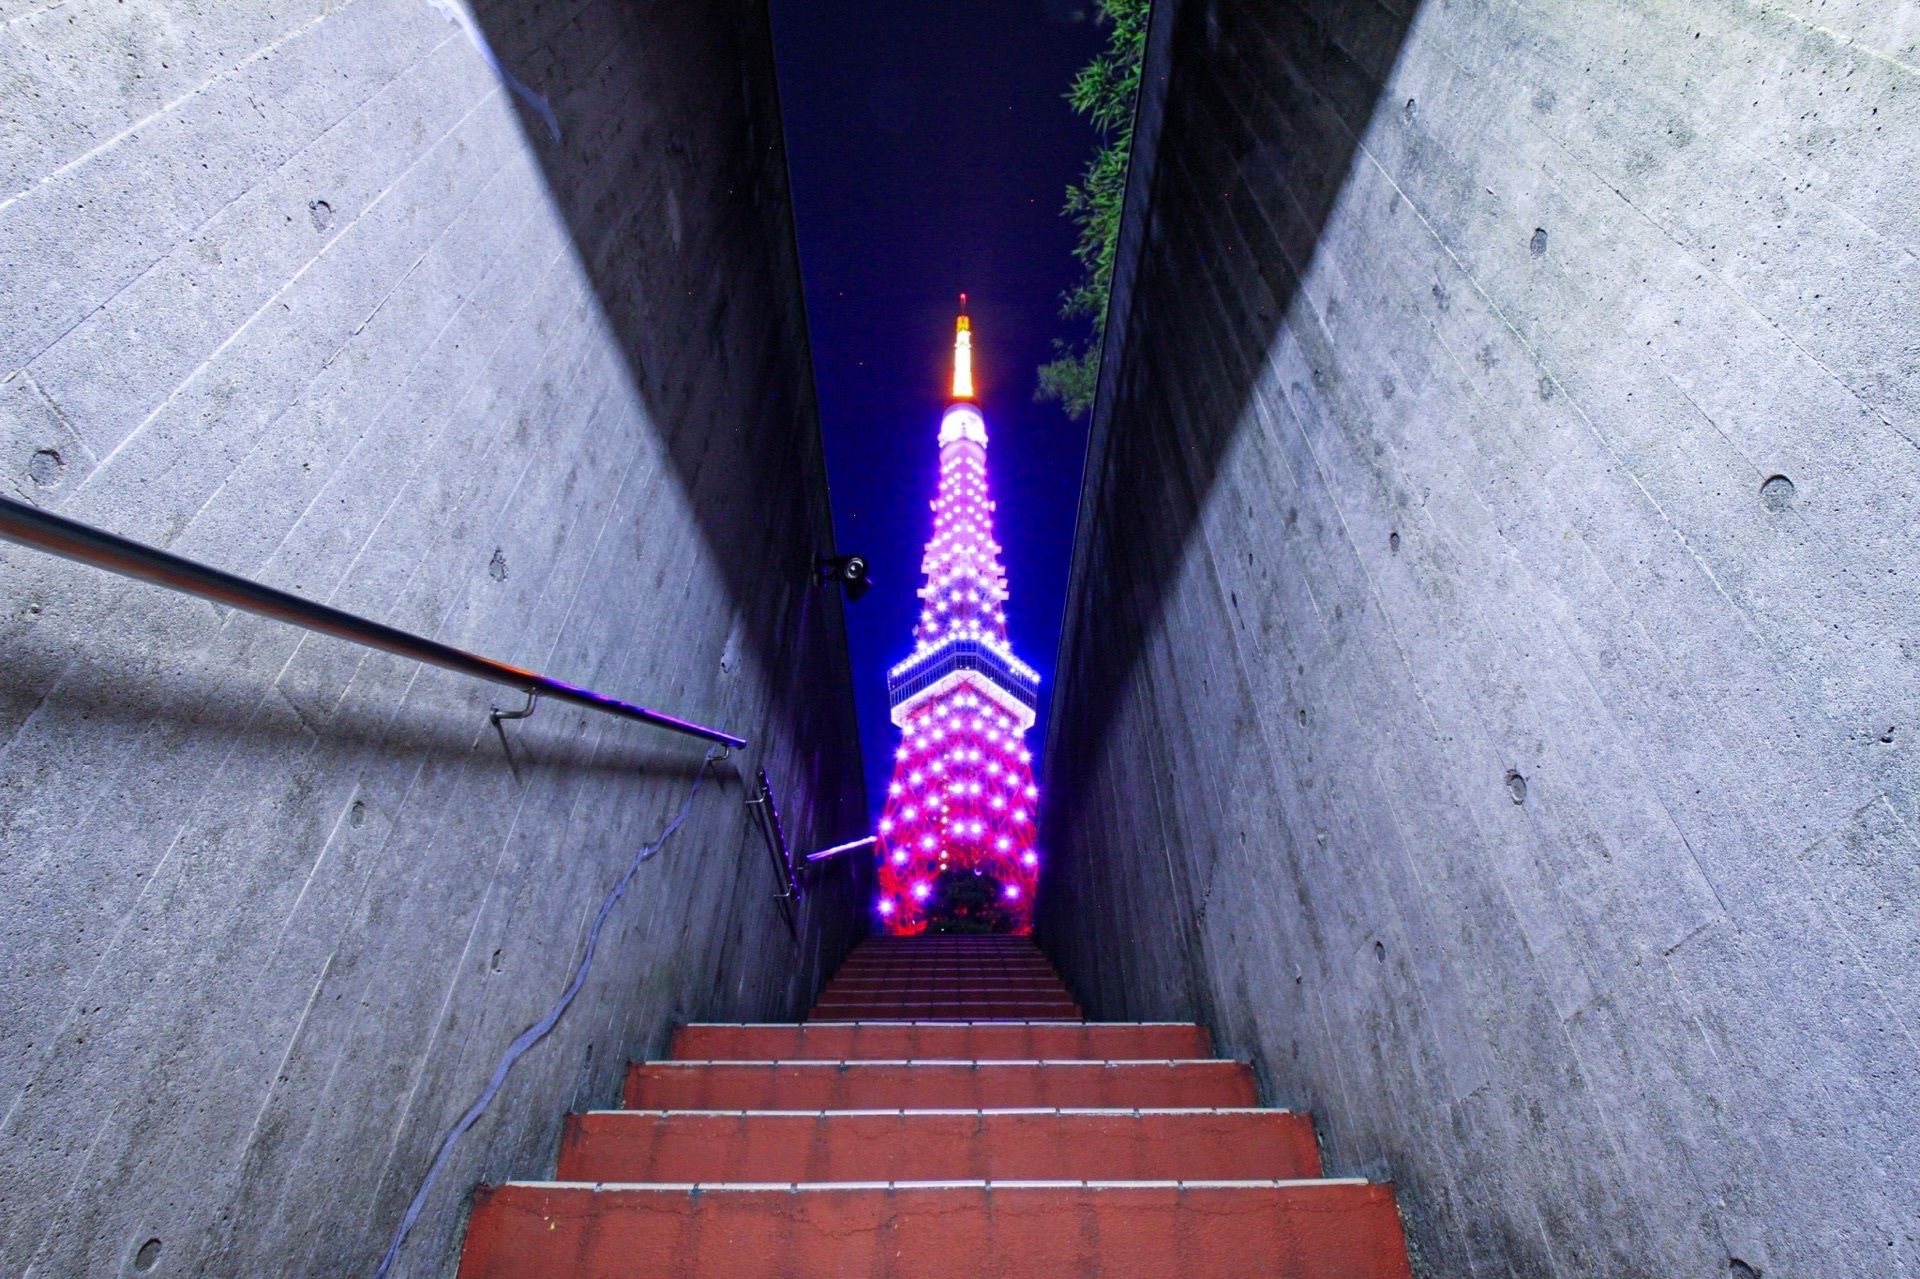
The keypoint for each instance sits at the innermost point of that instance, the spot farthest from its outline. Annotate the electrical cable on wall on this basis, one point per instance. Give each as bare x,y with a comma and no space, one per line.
539,1030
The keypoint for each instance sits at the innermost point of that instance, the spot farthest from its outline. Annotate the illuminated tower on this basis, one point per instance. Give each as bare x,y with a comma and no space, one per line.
956,838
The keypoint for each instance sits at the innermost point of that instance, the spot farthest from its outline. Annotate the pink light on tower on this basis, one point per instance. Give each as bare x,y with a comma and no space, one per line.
955,842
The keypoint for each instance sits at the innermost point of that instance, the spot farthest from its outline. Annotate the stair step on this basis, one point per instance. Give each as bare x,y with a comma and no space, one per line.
947,984
950,939
937,1145
896,1041
897,993
943,1011
875,1085
956,1013
895,997
929,985
938,963
1012,954
957,994
1274,1229
894,977
962,1017
1011,964
930,955
947,997
951,959
959,977
931,958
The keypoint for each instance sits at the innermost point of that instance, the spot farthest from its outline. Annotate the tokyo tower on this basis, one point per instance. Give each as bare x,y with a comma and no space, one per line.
956,836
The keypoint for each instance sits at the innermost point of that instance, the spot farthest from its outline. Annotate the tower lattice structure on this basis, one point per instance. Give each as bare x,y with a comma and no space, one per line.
956,838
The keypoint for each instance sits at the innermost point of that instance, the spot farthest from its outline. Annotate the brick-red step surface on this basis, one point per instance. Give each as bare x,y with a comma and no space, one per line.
1273,1230
945,1013
954,988
1036,966
925,1085
939,1145
945,1112
985,990
945,1010
905,972
988,1005
898,1041
946,979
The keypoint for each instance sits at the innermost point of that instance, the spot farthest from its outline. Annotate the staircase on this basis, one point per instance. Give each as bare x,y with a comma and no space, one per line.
945,1113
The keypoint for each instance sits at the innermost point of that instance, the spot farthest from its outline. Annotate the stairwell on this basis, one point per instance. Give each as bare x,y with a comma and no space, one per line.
946,1111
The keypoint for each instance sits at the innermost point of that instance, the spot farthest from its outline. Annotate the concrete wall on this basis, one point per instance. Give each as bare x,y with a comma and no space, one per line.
1488,693
308,292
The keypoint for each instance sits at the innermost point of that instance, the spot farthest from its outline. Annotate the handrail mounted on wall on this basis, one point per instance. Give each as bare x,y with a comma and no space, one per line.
58,535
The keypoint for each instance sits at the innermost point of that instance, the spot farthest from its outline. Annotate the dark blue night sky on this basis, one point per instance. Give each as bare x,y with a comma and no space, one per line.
930,147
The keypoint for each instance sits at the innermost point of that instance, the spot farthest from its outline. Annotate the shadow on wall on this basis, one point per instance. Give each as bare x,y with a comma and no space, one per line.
439,722
670,241
1570,848
1268,147
253,882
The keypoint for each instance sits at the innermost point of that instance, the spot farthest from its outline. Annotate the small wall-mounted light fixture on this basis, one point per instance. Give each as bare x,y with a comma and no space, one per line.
848,570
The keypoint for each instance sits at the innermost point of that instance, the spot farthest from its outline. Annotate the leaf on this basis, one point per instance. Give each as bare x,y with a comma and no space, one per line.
1104,92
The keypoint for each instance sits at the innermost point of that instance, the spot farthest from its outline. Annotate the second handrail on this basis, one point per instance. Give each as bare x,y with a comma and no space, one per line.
70,539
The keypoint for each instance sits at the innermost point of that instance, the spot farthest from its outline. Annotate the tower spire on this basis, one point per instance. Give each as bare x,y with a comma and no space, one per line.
962,354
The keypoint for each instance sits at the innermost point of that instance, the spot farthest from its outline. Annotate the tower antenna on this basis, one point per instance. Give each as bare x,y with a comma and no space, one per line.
963,354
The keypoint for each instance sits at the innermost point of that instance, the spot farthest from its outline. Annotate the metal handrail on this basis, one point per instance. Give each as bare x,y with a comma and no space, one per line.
767,819
851,846
70,539
775,835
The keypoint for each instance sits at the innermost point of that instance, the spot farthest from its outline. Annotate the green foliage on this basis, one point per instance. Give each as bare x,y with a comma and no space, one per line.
1071,376
1104,92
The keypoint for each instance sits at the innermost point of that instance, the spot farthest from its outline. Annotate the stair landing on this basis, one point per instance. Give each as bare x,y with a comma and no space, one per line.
945,1112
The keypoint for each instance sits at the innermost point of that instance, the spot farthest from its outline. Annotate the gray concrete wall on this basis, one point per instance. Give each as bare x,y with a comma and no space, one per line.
1488,691
307,292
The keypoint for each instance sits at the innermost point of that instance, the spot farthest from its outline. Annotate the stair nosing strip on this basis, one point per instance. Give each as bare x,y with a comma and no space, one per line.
1135,1112
751,1025
948,1061
684,1187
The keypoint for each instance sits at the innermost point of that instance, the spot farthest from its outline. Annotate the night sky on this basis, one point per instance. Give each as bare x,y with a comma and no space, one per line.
930,146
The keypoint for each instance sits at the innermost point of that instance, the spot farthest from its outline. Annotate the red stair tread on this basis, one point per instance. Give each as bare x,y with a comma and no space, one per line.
925,985
1033,963
945,1112
936,990
839,1009
897,1041
944,999
928,994
946,979
945,1009
947,1145
922,1017
1278,1230
1015,967
947,1013
923,1085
